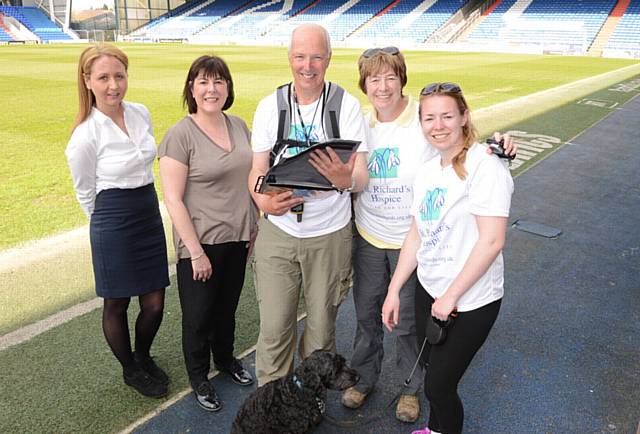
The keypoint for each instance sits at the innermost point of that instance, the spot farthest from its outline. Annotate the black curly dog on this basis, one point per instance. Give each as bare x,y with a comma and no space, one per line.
295,403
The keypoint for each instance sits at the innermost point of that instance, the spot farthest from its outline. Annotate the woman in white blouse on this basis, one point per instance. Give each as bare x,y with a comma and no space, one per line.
110,154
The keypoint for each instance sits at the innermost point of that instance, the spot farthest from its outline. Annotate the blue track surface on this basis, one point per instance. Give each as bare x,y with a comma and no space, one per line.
564,354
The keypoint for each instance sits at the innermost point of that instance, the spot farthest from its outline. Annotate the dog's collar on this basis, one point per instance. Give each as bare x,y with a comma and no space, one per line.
298,382
300,385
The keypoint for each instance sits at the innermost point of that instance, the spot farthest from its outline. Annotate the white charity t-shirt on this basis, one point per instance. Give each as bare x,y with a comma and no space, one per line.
444,207
324,211
397,150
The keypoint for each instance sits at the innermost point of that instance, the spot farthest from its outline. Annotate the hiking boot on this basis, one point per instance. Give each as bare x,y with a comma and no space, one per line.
144,383
238,374
206,396
408,408
353,398
150,367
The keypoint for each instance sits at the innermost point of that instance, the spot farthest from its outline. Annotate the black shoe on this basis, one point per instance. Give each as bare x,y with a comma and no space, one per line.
144,383
238,374
206,397
150,367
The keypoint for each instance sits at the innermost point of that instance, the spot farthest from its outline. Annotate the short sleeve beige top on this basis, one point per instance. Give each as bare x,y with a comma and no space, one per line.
216,193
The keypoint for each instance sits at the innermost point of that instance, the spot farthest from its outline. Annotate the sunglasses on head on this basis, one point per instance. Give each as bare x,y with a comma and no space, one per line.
373,51
440,87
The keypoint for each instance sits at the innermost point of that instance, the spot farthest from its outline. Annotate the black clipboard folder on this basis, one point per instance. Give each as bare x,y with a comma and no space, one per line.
296,173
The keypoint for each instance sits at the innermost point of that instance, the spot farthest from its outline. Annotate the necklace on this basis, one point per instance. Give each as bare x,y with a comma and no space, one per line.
307,134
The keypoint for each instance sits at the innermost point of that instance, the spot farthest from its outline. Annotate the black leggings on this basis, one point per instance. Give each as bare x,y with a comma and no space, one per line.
445,364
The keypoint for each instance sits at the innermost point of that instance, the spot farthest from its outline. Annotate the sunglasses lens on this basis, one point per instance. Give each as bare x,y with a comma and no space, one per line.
429,89
391,50
370,52
435,87
373,51
450,87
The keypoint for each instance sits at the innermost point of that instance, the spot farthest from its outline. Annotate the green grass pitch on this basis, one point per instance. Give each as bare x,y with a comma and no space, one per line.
39,103
79,379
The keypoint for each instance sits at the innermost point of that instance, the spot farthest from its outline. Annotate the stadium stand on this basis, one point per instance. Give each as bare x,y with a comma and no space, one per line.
194,20
251,21
413,20
544,22
526,25
627,34
37,22
4,36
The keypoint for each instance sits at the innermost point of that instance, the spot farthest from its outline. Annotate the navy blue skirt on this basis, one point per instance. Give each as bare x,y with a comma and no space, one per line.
128,246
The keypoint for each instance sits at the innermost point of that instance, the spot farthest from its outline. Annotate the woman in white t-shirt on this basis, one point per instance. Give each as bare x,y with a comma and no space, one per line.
459,216
397,151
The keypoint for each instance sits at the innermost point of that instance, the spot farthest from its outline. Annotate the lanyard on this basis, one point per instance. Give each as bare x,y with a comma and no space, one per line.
307,134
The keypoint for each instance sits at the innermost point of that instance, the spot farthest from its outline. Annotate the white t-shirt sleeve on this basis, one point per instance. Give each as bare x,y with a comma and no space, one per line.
352,123
81,155
490,188
265,124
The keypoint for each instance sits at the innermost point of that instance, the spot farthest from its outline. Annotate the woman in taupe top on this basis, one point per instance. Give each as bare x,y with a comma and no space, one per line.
204,163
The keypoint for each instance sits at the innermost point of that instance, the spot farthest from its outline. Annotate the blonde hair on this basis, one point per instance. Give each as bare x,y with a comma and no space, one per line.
469,131
86,98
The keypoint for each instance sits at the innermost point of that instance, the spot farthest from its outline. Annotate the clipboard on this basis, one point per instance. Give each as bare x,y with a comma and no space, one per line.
296,173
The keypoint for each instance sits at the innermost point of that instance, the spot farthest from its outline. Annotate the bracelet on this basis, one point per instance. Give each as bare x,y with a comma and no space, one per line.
195,258
348,189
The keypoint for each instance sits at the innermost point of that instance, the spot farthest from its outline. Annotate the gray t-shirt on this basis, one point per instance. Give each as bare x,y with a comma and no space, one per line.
216,193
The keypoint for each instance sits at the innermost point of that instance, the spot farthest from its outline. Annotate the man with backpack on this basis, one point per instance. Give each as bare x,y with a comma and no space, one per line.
307,249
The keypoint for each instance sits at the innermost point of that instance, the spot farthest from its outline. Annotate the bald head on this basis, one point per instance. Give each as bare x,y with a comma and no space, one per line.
309,56
310,30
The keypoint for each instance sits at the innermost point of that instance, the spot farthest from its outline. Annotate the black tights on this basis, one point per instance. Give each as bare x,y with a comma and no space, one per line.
116,327
447,363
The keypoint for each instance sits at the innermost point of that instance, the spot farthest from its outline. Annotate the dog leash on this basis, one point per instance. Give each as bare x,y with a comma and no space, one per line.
354,423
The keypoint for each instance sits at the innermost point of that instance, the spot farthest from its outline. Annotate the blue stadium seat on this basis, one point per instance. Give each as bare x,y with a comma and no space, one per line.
545,22
37,22
627,33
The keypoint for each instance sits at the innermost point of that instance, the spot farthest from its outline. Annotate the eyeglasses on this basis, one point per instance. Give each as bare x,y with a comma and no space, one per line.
373,51
440,87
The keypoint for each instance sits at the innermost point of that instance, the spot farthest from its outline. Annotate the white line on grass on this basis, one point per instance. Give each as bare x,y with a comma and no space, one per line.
27,332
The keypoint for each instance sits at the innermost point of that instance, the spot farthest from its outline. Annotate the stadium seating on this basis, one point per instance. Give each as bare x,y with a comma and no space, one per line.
193,20
36,21
627,34
538,24
412,20
256,18
4,36
545,22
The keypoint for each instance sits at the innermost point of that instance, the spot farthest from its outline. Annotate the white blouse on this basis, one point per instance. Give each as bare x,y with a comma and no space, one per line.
102,156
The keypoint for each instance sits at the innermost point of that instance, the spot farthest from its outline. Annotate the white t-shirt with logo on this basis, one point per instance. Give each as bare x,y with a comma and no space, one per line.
324,211
397,150
444,207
